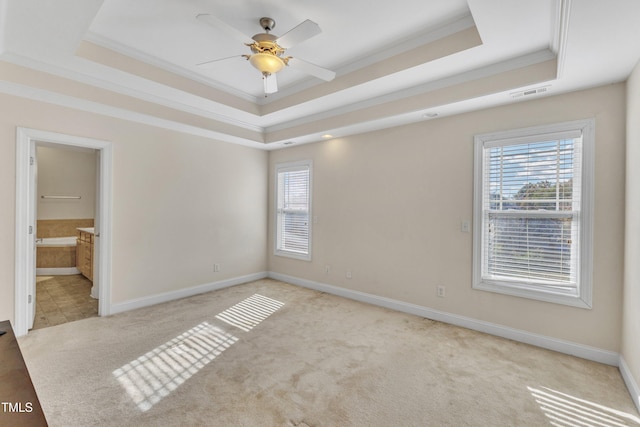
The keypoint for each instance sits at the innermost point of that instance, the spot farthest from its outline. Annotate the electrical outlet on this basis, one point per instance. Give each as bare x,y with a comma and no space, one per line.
349,274
216,268
465,227
441,291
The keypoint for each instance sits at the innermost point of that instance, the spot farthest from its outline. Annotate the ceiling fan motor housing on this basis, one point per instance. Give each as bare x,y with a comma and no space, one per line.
266,43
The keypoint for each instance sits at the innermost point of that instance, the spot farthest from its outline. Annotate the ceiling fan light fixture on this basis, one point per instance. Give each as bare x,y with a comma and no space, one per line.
266,63
268,51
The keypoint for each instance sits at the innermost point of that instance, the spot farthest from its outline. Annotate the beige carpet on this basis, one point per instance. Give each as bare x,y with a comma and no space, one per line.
271,354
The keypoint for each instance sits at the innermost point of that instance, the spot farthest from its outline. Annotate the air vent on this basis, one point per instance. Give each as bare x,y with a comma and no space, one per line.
529,92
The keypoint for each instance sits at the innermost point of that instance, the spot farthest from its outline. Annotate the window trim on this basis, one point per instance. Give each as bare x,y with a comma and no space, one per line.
280,167
583,296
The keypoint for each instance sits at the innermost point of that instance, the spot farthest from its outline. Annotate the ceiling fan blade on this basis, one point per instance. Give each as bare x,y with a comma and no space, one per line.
314,70
270,84
302,32
209,64
217,23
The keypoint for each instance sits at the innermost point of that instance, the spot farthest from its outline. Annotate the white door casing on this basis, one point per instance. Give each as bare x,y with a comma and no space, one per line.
25,218
33,231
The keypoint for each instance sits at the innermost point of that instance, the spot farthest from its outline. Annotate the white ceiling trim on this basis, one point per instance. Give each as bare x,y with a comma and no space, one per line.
3,23
562,18
193,103
448,28
592,43
363,126
206,111
55,98
410,118
430,35
468,76
165,65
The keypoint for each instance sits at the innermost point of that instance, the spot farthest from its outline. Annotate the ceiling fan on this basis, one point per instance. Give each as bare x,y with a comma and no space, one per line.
267,50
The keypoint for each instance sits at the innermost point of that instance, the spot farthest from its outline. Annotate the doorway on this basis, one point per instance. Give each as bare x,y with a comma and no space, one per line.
26,203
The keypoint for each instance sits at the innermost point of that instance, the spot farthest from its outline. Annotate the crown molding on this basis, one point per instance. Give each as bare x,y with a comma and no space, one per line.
445,29
468,76
562,18
84,105
207,111
136,54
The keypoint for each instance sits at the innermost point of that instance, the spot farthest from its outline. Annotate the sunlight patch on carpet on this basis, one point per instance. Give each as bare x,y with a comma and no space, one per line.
153,376
564,410
250,312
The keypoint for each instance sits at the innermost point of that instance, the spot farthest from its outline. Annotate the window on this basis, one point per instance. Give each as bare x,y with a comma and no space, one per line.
533,213
293,209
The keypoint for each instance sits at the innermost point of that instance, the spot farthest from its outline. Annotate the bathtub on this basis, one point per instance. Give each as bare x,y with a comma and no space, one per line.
56,256
54,242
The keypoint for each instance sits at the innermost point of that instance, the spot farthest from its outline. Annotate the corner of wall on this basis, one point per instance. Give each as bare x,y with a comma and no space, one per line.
630,349
632,385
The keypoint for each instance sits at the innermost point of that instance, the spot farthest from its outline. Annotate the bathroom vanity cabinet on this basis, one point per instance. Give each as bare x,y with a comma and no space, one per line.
84,252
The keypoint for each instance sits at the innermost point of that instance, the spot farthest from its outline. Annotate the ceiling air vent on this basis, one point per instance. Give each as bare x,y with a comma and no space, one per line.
529,92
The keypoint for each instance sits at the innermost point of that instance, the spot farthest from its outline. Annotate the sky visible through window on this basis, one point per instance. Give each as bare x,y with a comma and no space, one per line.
536,175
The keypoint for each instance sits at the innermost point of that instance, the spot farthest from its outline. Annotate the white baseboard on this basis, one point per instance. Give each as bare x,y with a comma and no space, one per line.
632,385
562,346
183,293
57,271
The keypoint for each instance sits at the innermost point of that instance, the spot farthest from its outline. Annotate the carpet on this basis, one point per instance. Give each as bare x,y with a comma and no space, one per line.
267,353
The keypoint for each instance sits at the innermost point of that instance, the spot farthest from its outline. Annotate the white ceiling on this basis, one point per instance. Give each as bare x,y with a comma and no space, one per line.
395,61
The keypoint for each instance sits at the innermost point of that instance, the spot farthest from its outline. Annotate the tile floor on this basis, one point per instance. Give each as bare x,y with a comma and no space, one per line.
62,299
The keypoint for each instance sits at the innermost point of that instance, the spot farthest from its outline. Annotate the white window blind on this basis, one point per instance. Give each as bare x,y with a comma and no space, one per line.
293,209
531,212
530,217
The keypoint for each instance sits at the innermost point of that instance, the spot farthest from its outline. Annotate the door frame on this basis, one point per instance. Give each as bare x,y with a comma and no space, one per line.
25,204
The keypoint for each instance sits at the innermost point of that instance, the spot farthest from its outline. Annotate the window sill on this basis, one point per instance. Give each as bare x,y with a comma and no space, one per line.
293,255
580,301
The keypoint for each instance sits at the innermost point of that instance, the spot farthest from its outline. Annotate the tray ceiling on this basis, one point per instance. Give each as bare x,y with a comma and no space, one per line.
396,63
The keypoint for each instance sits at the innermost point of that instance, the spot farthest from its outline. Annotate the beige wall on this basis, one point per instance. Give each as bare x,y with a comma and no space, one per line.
66,172
180,203
631,309
389,206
